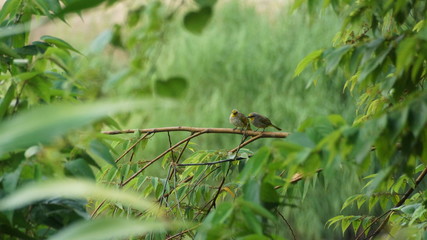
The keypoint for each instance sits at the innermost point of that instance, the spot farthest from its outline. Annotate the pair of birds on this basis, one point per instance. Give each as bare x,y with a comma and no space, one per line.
239,120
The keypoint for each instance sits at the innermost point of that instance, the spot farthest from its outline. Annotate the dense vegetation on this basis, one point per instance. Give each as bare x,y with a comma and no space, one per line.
352,167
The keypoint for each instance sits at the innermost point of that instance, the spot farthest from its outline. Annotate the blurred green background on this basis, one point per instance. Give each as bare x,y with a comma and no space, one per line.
244,59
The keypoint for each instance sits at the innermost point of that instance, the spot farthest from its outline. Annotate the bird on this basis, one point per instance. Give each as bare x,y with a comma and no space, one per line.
261,121
239,120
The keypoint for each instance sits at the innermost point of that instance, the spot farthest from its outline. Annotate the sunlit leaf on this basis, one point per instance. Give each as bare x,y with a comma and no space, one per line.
307,60
109,228
58,42
42,124
71,188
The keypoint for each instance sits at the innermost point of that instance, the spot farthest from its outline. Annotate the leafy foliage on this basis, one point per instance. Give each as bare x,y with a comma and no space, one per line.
63,179
380,50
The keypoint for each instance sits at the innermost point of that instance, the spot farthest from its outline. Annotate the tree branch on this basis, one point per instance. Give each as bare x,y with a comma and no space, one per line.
204,130
246,143
400,203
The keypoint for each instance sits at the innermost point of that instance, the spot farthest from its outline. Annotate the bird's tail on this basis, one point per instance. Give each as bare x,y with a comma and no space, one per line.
276,127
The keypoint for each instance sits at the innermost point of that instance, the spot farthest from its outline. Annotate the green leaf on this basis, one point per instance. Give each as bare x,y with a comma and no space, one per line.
222,213
79,168
367,135
257,209
101,41
417,117
204,3
377,180
356,224
313,56
405,53
254,166
251,220
254,237
196,21
333,58
71,188
8,51
345,223
101,150
42,124
373,63
10,7
26,76
109,228
269,195
58,42
335,220
396,120
10,180
7,99
75,6
301,139
173,87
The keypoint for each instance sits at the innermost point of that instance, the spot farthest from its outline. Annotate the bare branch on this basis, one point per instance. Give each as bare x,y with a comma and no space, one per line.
212,163
159,156
183,232
287,223
246,143
204,130
133,146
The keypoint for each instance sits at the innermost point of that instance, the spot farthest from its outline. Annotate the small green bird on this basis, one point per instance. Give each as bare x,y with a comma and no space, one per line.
261,121
239,120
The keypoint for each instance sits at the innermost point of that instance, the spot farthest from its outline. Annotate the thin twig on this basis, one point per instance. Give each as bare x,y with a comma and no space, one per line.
205,130
97,209
133,146
18,98
212,163
183,181
286,221
159,156
246,143
195,185
213,200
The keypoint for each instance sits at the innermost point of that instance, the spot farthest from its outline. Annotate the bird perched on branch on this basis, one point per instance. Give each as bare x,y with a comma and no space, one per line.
261,121
239,120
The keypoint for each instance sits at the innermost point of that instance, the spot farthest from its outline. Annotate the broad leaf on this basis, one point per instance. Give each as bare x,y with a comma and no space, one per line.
70,188
40,125
196,21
